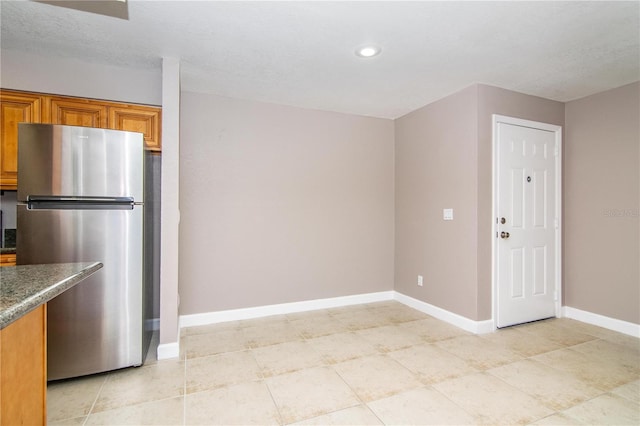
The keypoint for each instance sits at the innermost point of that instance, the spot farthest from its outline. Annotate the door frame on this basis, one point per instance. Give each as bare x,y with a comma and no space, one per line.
496,119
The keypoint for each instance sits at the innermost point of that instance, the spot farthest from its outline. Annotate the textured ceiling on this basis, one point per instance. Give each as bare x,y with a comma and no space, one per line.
302,53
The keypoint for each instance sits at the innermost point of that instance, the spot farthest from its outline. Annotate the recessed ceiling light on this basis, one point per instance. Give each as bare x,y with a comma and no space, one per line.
368,51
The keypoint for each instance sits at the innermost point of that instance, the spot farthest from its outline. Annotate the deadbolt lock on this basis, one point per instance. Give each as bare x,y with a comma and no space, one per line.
503,220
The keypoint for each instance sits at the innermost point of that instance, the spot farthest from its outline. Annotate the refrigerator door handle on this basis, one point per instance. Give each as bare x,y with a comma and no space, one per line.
47,202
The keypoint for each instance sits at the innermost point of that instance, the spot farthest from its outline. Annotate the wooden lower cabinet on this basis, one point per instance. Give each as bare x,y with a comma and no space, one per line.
23,370
7,260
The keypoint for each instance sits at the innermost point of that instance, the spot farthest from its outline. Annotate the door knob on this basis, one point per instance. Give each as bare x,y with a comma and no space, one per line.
504,235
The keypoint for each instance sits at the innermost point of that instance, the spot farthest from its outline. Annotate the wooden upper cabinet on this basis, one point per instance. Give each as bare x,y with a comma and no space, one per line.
78,112
137,118
15,107
25,107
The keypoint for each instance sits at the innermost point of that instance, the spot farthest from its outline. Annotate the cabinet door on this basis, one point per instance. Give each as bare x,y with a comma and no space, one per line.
7,260
137,118
14,108
78,112
23,360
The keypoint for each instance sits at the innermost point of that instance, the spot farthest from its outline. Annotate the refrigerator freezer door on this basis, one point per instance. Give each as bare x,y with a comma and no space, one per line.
96,326
79,161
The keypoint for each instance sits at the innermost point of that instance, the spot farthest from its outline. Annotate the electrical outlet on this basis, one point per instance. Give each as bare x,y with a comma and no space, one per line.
420,280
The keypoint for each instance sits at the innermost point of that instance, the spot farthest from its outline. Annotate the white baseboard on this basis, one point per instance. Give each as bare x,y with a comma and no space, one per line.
172,350
168,350
476,327
280,309
601,321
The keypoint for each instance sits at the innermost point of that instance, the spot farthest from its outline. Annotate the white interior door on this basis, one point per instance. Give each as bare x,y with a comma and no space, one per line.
526,252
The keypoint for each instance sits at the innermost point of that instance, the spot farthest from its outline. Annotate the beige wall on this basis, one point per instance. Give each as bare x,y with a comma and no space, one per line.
332,195
285,177
436,168
444,160
602,184
281,204
494,100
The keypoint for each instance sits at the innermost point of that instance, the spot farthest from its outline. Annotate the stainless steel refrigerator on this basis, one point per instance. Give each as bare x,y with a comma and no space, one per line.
80,198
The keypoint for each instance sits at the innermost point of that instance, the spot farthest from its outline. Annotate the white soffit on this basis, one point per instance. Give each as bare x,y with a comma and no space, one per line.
302,53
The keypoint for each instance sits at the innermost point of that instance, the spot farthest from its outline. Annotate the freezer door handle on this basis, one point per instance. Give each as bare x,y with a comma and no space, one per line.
45,202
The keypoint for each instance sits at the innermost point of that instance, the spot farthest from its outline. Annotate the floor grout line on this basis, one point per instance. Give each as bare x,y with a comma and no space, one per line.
104,382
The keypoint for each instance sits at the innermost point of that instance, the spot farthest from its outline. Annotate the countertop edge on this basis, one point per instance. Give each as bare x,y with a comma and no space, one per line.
10,315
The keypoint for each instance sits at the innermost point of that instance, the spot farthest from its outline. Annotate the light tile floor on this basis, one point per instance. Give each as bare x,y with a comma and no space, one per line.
380,363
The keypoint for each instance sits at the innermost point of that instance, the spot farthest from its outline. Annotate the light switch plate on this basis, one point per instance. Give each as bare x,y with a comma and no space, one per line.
447,214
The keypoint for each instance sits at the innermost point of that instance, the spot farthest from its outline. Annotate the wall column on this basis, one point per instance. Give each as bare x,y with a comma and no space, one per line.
170,209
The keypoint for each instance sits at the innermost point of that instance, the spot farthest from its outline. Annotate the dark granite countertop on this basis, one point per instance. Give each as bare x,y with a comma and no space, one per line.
25,287
8,250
